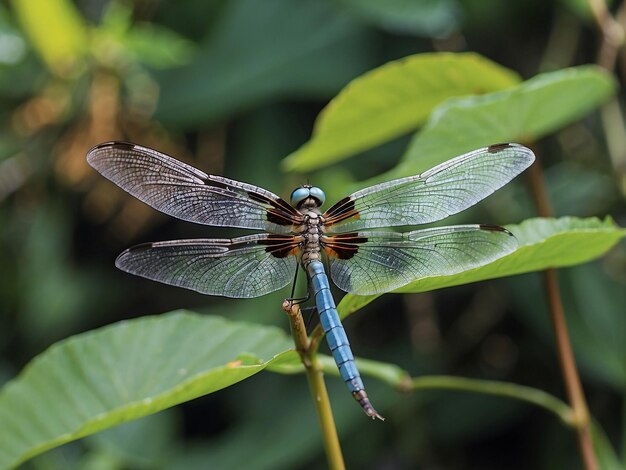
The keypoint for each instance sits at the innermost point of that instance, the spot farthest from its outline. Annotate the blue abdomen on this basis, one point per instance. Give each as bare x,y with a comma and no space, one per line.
335,334
336,337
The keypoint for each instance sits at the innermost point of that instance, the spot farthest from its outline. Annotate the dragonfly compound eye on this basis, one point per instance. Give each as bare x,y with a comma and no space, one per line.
318,194
299,195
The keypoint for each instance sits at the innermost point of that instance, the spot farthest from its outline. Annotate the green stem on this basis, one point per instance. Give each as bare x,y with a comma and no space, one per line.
401,380
502,389
325,416
313,369
316,338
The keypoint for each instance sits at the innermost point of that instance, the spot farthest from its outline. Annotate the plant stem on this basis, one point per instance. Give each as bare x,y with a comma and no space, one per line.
325,416
400,379
613,31
565,353
502,389
317,386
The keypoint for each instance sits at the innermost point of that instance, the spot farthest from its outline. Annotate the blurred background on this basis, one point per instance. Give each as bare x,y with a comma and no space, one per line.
233,87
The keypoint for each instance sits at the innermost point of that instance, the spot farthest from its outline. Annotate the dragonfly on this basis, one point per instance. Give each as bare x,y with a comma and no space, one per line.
351,240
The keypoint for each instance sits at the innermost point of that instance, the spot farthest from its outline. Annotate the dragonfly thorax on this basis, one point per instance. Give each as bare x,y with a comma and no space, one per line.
311,234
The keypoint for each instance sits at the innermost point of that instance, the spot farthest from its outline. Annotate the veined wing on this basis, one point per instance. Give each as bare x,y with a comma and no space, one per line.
433,195
183,191
241,267
375,262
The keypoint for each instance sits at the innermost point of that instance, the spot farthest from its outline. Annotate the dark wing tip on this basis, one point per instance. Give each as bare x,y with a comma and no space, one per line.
114,144
94,152
523,155
495,148
495,228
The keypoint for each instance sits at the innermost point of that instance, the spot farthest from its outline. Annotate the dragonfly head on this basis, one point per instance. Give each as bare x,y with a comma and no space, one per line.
307,196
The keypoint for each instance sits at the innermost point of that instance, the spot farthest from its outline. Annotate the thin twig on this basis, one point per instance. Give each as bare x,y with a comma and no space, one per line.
565,353
612,33
317,386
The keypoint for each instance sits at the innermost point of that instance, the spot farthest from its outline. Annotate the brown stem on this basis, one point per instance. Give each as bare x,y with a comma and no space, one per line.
565,353
612,33
539,191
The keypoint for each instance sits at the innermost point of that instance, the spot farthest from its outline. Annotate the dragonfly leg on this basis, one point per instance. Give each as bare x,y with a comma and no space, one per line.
364,401
297,300
293,286
306,311
309,314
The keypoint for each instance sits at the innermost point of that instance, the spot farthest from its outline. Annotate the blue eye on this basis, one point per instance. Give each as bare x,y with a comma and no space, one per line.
299,195
318,194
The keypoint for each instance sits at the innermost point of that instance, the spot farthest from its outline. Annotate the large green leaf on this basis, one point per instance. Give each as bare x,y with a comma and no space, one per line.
525,113
312,49
543,243
392,100
121,372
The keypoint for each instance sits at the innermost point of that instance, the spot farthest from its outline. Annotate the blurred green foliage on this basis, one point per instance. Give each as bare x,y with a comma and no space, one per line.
234,87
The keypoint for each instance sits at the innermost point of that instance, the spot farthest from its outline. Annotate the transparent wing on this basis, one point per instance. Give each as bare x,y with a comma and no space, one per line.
376,262
242,267
182,191
437,193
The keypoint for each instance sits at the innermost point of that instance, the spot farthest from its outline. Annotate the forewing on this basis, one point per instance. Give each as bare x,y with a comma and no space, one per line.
375,262
187,193
437,193
242,267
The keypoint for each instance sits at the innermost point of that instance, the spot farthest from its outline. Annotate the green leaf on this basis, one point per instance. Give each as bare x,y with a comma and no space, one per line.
433,18
312,50
121,372
531,110
56,30
543,243
392,100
